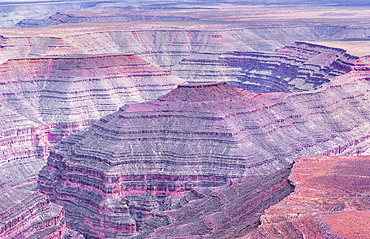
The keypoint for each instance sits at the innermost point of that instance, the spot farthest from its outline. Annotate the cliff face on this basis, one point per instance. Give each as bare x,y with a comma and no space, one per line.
27,214
20,47
330,200
229,211
198,135
299,67
168,45
45,99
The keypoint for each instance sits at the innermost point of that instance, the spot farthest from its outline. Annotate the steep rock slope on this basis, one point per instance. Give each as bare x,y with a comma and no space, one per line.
29,214
165,45
168,47
229,211
330,200
45,99
301,66
20,47
198,135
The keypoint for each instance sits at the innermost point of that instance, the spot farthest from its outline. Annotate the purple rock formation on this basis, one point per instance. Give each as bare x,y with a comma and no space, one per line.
29,214
299,67
45,99
229,211
198,135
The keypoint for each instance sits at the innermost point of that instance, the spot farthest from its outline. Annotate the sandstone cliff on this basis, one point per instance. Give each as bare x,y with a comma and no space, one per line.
230,211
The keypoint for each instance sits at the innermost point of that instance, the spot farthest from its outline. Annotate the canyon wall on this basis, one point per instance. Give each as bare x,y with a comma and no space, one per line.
198,135
165,46
229,211
46,99
298,67
29,214
84,17
330,200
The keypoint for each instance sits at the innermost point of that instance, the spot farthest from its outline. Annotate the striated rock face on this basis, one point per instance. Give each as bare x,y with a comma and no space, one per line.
229,211
21,47
165,45
330,200
299,67
45,99
29,214
198,135
168,47
124,156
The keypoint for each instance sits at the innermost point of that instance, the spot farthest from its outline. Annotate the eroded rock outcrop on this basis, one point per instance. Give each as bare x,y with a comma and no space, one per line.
229,211
165,45
44,99
330,200
299,67
29,214
198,135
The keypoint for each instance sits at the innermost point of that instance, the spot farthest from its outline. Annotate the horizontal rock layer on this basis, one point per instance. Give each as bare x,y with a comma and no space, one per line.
83,17
44,99
165,47
29,214
202,135
330,200
299,67
230,211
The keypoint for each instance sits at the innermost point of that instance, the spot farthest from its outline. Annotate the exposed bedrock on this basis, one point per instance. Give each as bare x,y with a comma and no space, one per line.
45,99
198,135
330,200
20,47
299,67
29,214
229,211
167,47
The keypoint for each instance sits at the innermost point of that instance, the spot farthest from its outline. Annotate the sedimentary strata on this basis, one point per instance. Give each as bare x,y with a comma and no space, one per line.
198,135
83,17
165,45
299,67
330,200
229,211
29,214
44,99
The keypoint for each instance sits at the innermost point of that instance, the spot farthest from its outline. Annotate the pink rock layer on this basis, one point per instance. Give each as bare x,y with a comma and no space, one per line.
198,135
27,214
229,211
330,200
298,67
45,99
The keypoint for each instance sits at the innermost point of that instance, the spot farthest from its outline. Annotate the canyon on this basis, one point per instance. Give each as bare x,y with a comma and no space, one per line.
46,99
199,135
184,120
